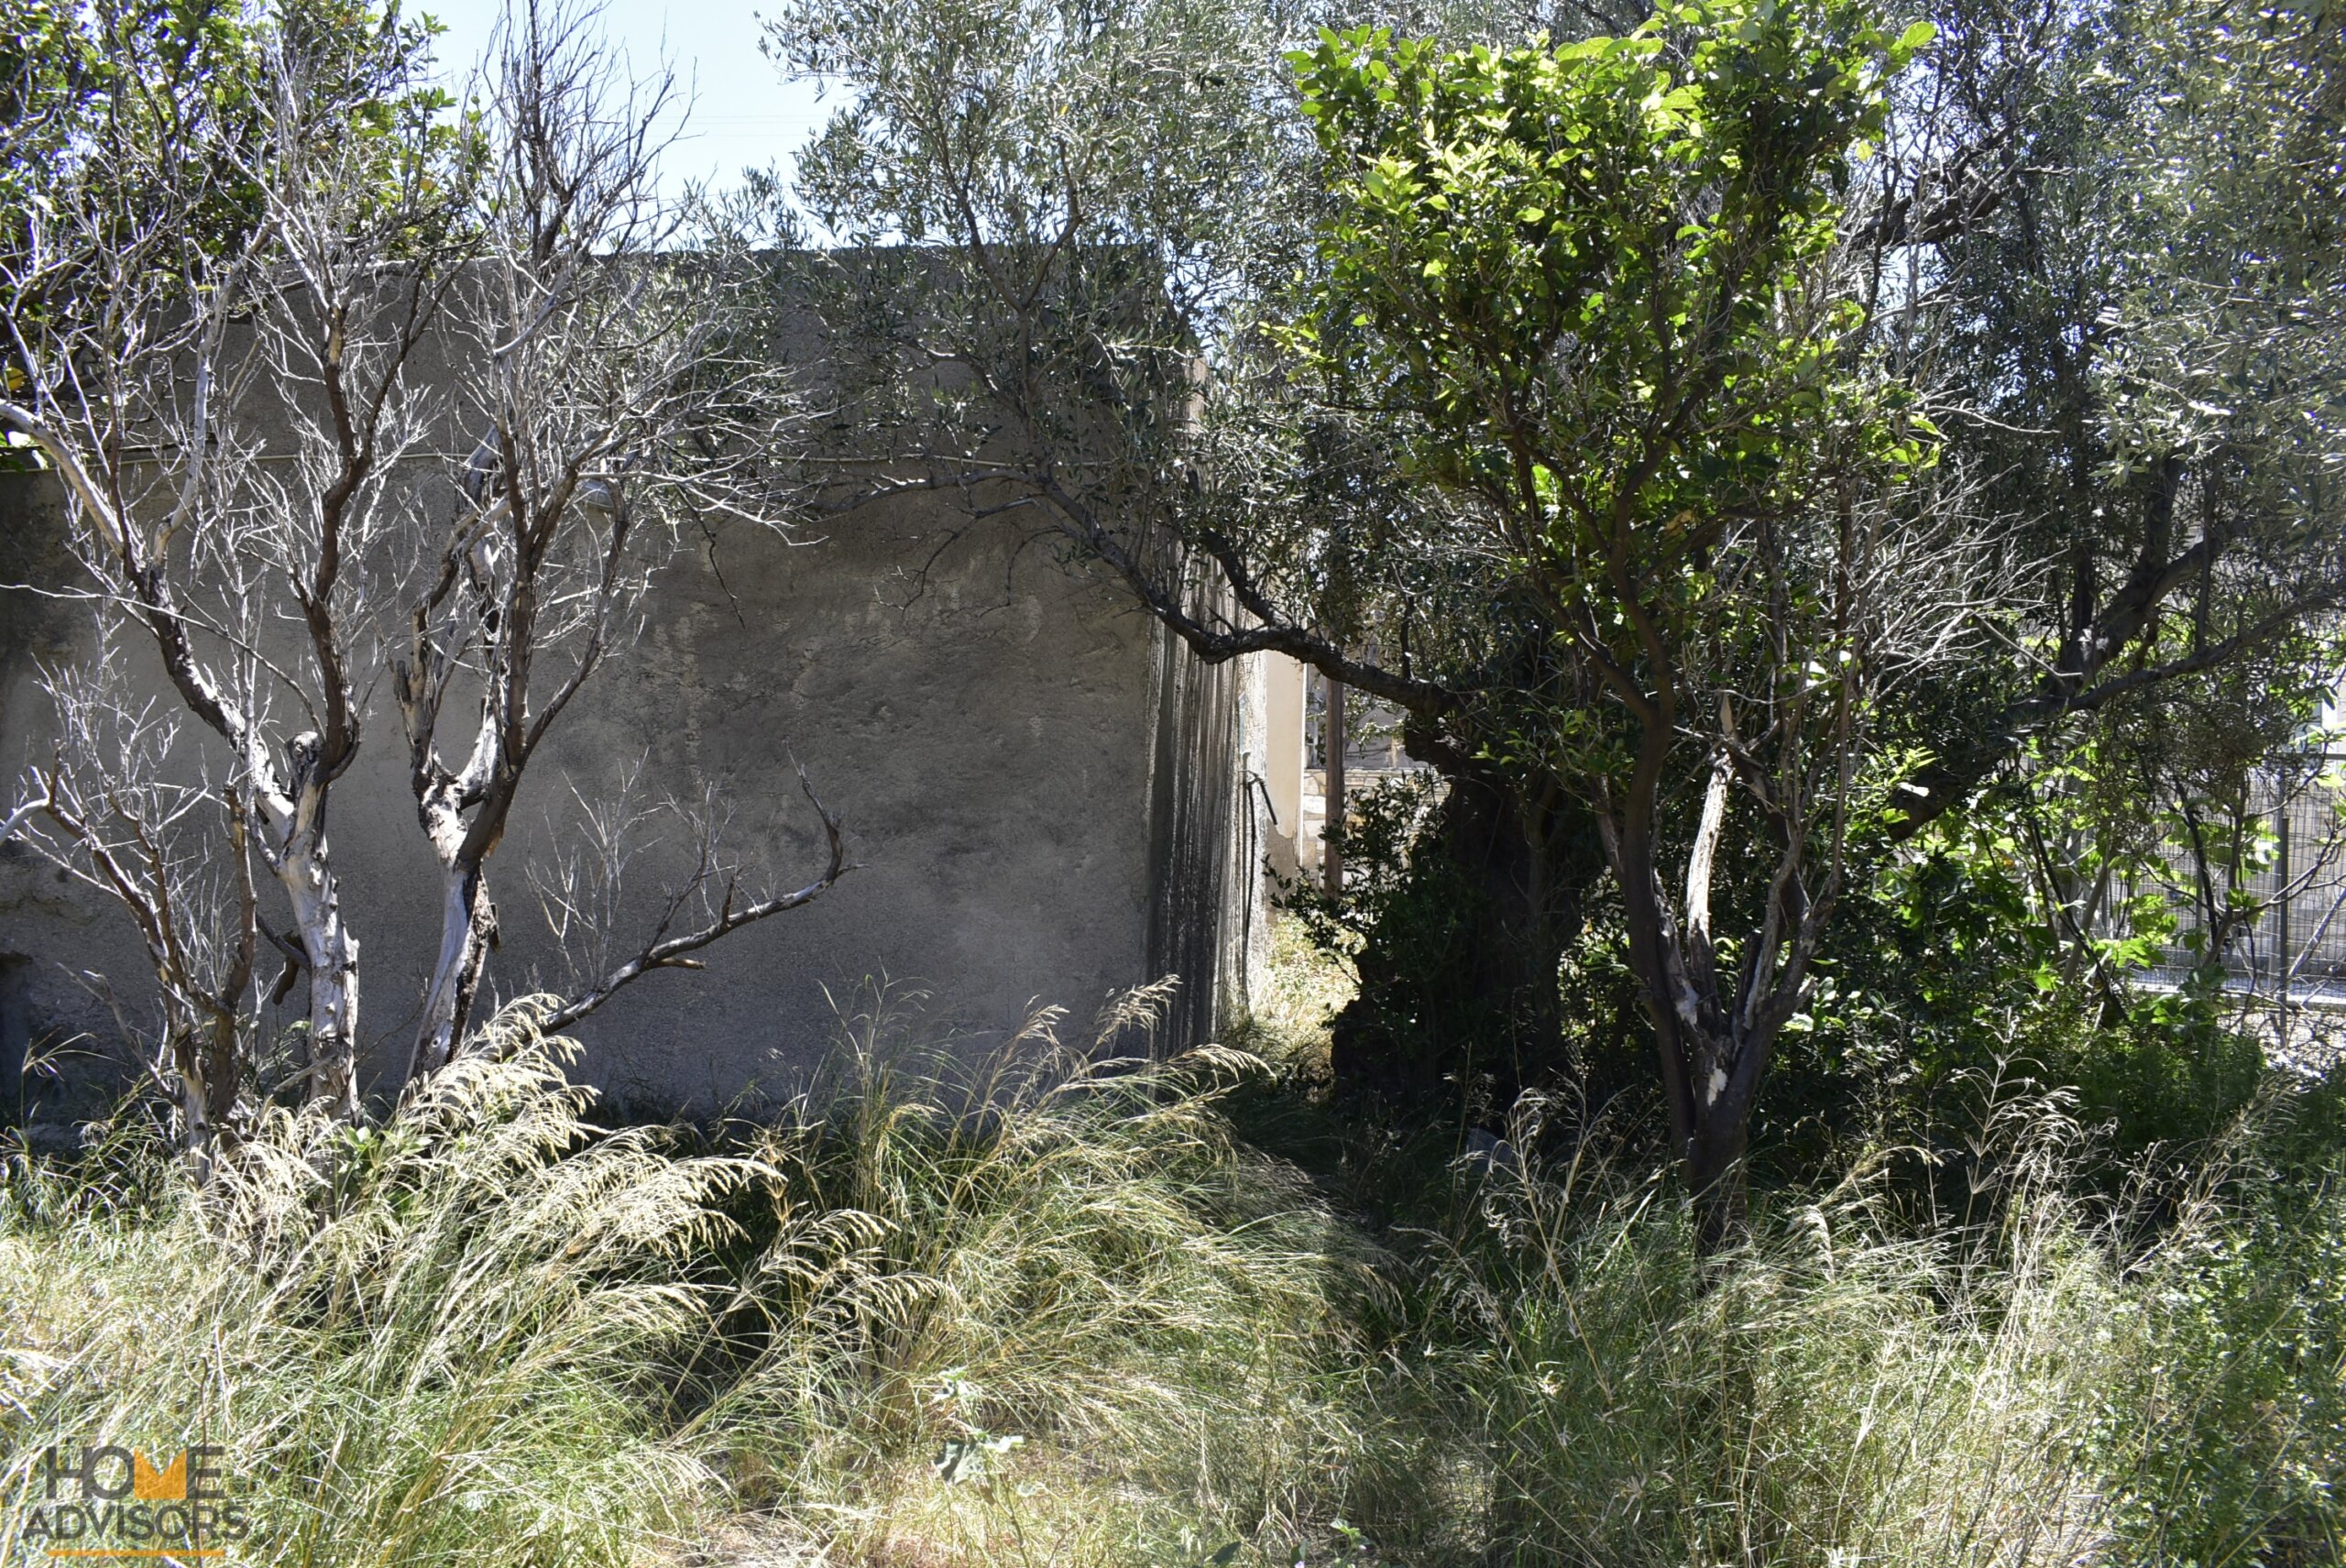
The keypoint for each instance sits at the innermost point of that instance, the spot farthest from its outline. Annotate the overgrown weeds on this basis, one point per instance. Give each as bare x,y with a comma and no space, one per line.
1058,1311
489,1332
1059,1288
440,1340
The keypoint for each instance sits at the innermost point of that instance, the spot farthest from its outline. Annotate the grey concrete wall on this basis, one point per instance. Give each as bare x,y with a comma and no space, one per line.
52,935
1050,804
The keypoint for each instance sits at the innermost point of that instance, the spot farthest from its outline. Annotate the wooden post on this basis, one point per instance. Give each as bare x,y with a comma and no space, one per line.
1332,859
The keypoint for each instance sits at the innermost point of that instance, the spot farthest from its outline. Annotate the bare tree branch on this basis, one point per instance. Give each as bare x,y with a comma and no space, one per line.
730,913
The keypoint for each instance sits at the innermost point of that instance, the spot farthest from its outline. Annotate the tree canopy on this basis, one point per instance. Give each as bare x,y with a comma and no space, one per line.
1733,439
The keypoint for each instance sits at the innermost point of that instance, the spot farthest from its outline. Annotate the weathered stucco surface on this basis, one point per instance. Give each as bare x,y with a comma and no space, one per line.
1048,804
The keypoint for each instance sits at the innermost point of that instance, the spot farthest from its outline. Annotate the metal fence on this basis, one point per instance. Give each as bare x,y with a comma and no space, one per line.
2293,949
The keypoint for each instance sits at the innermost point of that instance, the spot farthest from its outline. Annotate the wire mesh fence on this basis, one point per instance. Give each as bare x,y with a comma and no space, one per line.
2287,940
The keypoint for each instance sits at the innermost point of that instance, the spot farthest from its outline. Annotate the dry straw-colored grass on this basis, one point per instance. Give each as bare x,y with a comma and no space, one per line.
1057,1313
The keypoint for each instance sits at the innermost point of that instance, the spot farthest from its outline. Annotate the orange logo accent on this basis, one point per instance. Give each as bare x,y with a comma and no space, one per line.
149,1485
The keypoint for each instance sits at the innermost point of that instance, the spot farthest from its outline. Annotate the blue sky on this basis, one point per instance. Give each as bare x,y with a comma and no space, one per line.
743,113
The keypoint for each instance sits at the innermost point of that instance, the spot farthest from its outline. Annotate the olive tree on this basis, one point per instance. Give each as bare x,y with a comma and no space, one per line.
2111,235
1547,436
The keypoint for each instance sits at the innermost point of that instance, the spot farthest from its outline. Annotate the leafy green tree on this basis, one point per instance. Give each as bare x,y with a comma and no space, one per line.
1579,401
1553,409
1596,287
2114,241
2106,249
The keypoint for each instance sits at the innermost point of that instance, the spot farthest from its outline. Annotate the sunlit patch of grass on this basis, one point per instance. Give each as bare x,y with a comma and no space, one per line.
1294,1002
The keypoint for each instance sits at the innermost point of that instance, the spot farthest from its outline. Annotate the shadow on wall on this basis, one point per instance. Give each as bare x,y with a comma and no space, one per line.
16,1036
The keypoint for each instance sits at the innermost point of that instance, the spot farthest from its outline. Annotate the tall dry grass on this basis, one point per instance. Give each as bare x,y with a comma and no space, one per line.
492,1333
435,1341
1054,1310
1049,1311
1835,1390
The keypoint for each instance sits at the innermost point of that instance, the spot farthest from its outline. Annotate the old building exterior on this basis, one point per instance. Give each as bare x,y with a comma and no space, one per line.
1049,801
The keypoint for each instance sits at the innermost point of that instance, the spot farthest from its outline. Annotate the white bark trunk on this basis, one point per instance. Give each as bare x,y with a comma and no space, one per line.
455,972
1706,849
195,1119
333,953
